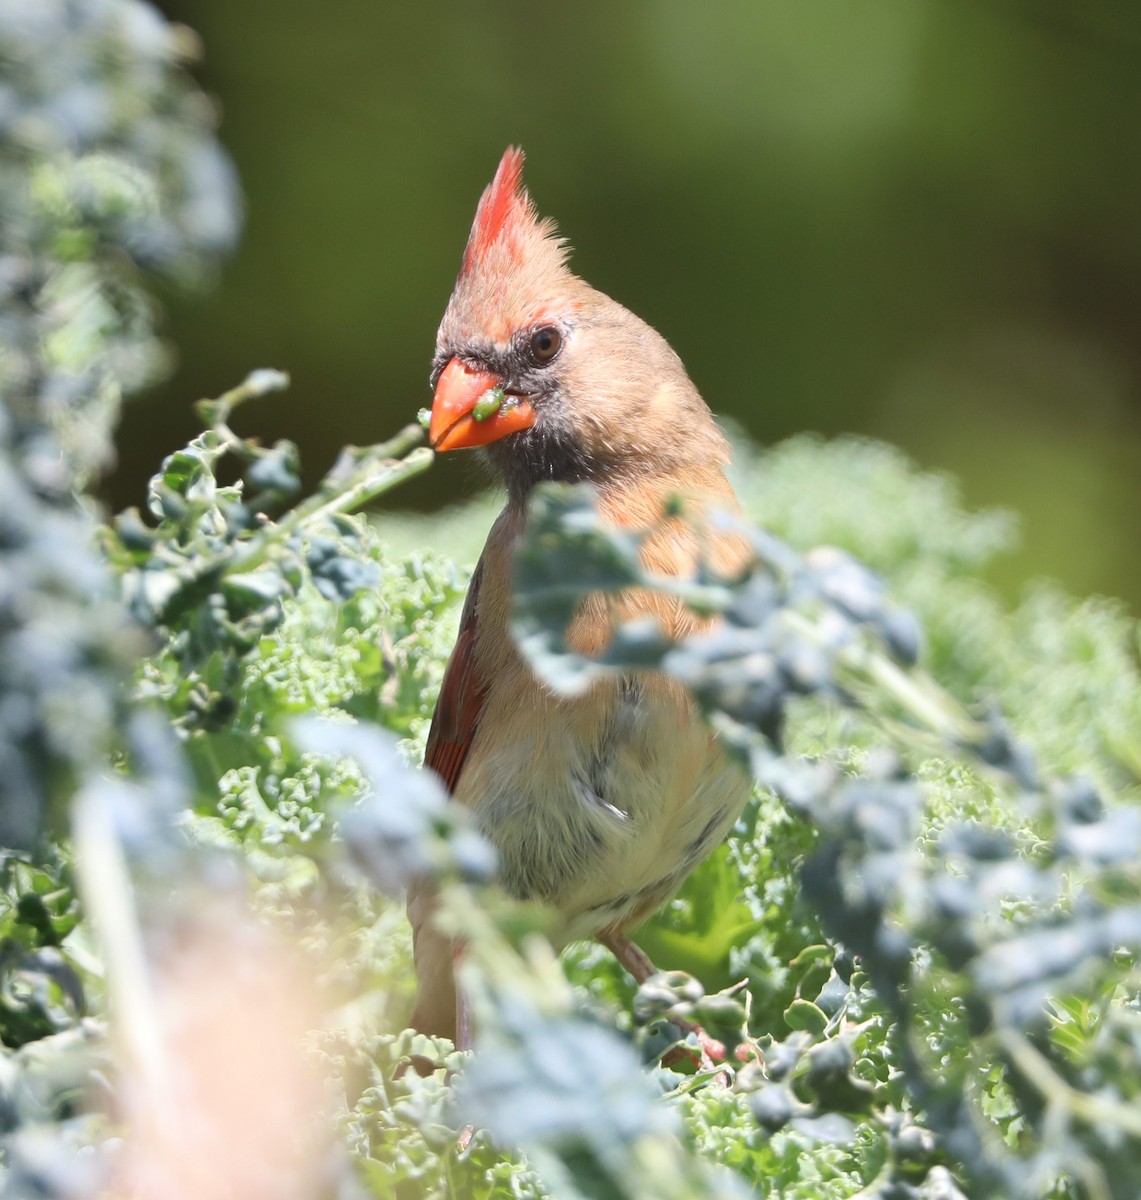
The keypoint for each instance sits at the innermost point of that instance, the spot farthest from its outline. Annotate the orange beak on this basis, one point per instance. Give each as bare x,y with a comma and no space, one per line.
456,426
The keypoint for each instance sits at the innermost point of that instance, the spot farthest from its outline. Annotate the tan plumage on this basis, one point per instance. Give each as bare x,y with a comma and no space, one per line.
599,805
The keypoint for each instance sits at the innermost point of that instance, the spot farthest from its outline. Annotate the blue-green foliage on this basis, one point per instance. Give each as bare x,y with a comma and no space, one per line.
932,903
979,896
107,166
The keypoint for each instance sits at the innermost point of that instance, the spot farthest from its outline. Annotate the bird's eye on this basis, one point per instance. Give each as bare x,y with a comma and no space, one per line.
545,344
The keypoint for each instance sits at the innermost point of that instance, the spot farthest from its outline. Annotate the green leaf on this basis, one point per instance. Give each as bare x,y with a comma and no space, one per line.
804,1015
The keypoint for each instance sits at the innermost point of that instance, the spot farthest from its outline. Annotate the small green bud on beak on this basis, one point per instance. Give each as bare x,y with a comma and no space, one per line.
488,404
424,416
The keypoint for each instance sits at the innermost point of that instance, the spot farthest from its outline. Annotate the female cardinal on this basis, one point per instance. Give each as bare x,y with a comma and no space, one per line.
599,805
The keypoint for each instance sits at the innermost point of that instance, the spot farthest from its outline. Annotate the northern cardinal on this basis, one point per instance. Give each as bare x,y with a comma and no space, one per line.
599,805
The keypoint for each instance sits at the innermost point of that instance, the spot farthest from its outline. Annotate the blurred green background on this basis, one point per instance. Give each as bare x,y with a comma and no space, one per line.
916,220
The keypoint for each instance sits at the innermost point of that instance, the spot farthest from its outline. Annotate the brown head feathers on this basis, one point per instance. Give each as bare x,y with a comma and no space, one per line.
613,402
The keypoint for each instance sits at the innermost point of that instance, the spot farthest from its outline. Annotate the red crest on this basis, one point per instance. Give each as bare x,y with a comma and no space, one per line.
503,208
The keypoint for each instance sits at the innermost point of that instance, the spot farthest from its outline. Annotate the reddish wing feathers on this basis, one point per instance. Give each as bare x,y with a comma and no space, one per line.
440,1011
461,698
498,206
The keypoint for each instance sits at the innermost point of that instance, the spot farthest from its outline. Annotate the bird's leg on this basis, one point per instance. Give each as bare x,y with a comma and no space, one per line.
441,1008
629,954
641,966
463,1031
463,1012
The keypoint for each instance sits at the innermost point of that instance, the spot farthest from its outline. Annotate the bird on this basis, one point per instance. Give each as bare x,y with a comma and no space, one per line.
601,804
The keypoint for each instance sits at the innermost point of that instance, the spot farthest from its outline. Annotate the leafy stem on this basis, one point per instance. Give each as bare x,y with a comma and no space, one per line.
358,477
1094,1110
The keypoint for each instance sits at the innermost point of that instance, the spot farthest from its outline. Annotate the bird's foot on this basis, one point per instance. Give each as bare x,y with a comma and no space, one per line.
708,1054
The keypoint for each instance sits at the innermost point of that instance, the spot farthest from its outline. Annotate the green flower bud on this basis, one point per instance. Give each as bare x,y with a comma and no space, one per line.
424,416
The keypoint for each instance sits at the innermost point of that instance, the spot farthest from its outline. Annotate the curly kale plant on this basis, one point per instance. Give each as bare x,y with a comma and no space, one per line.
108,167
994,912
919,944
